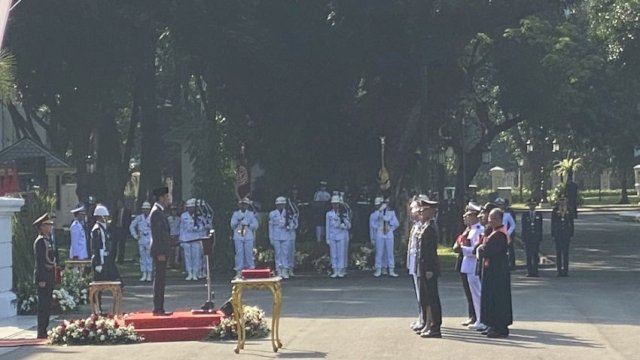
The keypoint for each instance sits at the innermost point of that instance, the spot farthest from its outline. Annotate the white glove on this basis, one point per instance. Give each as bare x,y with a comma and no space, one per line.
383,206
343,226
98,268
244,222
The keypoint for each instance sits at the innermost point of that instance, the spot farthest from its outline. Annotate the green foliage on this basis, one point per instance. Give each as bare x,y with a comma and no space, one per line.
24,234
7,75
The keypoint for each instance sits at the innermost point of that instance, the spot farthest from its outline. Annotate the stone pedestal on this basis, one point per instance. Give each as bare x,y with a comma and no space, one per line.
605,180
505,193
497,177
8,206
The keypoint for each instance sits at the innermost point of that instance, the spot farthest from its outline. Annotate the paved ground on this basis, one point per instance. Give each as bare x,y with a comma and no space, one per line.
593,314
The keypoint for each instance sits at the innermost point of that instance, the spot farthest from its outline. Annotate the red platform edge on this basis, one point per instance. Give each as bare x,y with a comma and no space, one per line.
180,326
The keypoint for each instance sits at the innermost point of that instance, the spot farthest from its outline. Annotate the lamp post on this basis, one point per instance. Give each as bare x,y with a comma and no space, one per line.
90,164
555,147
520,164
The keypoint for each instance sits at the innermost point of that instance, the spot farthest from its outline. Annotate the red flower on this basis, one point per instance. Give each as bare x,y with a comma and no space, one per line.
85,332
81,323
94,317
110,316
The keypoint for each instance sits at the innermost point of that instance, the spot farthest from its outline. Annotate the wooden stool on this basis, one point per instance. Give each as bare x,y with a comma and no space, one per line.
97,287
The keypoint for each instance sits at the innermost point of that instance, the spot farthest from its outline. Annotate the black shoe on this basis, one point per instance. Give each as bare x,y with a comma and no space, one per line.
468,322
486,331
162,313
431,334
41,336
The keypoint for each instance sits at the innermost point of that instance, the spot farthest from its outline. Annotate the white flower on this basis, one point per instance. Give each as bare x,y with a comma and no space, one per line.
103,338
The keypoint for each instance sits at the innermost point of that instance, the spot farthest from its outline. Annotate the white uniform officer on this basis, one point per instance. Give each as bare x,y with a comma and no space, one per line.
337,230
280,237
383,222
469,260
78,250
190,232
140,230
243,224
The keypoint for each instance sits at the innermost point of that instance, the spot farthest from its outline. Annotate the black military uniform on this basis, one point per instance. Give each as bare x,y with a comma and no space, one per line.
44,273
562,232
160,250
428,262
532,237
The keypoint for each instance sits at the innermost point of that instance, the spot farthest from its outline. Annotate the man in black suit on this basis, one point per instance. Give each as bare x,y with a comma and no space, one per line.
44,271
160,247
428,270
532,236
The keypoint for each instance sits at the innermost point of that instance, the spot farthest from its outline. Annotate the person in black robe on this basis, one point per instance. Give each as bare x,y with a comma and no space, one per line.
495,308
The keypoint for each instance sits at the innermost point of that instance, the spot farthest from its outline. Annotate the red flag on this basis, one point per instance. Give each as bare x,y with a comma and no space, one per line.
243,185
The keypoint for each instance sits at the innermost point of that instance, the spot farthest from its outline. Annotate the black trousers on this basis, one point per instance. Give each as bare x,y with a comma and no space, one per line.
44,309
430,302
532,249
467,293
119,241
512,255
562,257
159,282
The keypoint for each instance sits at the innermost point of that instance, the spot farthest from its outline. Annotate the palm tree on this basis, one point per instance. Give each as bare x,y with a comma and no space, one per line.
7,75
566,167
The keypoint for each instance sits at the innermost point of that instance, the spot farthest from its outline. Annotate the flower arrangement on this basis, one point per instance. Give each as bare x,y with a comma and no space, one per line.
361,259
322,264
254,320
63,300
264,257
76,284
94,330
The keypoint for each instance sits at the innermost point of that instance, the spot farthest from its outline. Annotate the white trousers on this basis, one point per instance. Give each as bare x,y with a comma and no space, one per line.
192,257
384,251
281,250
476,291
244,254
146,263
345,256
337,252
292,252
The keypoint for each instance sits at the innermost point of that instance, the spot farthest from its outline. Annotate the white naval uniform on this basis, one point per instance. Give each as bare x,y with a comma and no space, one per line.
384,242
189,231
280,238
174,232
78,241
468,266
337,229
244,244
140,229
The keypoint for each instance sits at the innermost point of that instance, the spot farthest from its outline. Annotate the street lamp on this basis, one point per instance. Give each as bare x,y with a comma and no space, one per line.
486,155
555,147
520,164
529,146
90,163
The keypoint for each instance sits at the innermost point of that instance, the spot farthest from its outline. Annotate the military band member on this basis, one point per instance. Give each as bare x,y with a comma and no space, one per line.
243,224
190,233
337,230
140,229
78,248
321,199
44,271
562,231
280,236
160,247
428,269
532,236
102,259
495,305
384,222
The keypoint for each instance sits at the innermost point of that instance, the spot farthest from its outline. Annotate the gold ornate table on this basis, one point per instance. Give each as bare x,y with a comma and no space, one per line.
97,287
273,284
77,263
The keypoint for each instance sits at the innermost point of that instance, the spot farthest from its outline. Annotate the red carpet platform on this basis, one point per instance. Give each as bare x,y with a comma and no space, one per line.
22,342
180,326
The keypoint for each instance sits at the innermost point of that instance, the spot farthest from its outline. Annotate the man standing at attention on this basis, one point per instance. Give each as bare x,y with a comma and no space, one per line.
160,248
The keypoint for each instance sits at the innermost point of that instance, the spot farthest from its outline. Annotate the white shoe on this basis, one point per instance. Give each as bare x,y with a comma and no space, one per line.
238,275
335,274
190,276
377,273
144,277
392,273
477,326
149,276
285,274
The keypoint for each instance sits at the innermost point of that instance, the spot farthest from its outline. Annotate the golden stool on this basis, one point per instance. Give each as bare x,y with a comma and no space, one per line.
97,287
273,284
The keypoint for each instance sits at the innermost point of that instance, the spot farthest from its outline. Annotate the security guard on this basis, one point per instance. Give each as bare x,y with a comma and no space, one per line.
383,223
279,236
140,229
243,224
44,271
102,259
78,248
532,236
562,232
337,230
190,232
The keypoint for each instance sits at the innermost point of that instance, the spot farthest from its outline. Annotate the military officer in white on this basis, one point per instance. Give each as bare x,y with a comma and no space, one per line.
469,259
243,224
78,250
190,232
337,230
383,222
280,237
140,230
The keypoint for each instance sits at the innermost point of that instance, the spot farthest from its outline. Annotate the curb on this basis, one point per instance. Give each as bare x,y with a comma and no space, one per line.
629,217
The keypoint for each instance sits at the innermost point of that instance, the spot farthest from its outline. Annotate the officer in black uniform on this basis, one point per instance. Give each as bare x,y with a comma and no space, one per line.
562,232
532,236
44,271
